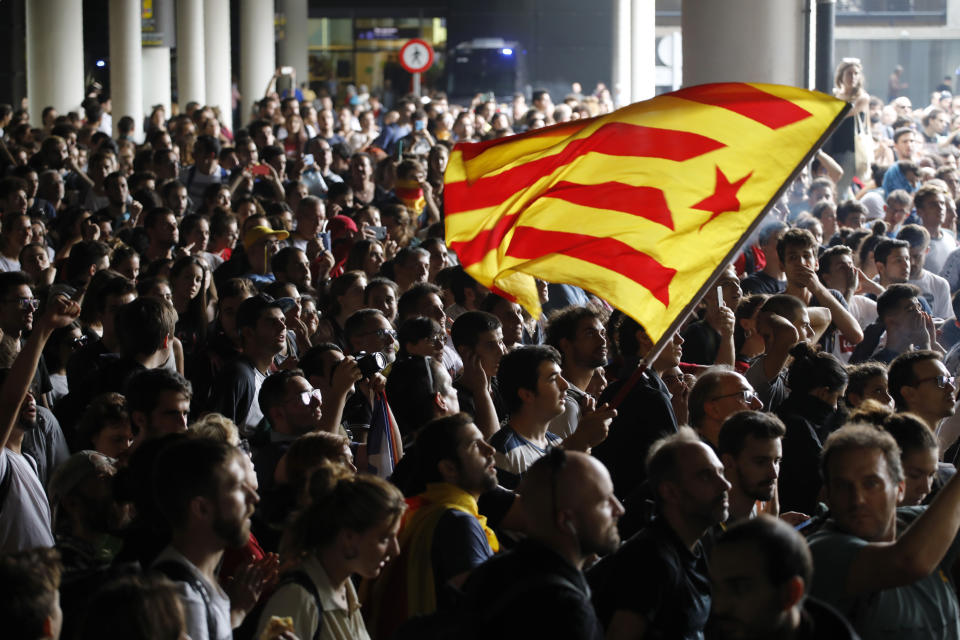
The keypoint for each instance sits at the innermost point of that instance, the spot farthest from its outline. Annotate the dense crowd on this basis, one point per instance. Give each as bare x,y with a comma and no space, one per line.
248,392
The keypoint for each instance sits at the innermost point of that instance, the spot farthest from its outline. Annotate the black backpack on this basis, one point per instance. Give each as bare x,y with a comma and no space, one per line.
248,630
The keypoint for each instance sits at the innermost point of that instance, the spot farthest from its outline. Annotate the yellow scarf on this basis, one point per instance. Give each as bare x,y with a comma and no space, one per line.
415,569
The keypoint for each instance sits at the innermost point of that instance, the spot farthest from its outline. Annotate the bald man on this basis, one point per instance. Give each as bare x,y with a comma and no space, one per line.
538,588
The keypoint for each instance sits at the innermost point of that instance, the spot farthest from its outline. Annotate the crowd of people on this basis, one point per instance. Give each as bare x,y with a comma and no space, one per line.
246,391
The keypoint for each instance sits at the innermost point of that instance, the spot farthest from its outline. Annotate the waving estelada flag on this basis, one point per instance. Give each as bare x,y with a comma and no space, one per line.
642,206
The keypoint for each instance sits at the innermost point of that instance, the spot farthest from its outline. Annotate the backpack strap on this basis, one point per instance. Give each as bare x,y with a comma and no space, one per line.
300,578
179,573
5,482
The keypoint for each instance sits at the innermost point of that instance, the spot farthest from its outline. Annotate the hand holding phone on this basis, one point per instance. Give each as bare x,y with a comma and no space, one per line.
260,170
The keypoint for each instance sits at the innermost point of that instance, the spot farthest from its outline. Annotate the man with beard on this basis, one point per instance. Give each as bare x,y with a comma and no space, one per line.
25,517
537,589
673,598
751,450
578,334
202,490
885,568
443,537
263,334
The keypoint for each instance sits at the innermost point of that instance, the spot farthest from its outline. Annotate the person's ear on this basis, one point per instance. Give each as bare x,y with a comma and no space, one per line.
139,421
200,508
909,394
448,470
525,395
729,464
792,593
440,402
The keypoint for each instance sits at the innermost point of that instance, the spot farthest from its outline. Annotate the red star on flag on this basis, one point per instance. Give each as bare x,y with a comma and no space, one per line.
724,197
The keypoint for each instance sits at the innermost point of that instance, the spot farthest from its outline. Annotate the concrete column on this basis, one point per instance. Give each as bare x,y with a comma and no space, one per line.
743,40
643,67
126,77
292,49
216,35
257,57
620,87
54,56
156,78
191,57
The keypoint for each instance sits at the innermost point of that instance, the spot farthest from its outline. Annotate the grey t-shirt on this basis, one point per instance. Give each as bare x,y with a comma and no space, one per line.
195,607
924,610
25,512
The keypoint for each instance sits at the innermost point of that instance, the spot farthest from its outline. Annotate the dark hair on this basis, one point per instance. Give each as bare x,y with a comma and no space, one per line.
783,305
911,433
745,310
900,373
438,440
831,254
186,469
414,329
196,312
795,238
885,247
743,424
358,254
813,369
103,283
143,326
412,385
29,581
519,369
103,411
847,207
862,436
144,388
783,550
894,295
250,310
859,374
274,388
339,287
412,297
356,323
461,281
565,322
467,328
134,607
916,235
661,462
311,362
11,280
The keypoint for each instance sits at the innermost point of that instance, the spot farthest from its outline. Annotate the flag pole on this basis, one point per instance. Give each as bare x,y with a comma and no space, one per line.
647,361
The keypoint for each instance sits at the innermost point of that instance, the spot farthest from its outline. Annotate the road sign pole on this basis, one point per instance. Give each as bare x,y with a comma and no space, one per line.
416,84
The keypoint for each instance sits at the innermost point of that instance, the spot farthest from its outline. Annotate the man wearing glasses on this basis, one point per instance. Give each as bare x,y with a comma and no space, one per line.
719,393
17,308
921,384
292,408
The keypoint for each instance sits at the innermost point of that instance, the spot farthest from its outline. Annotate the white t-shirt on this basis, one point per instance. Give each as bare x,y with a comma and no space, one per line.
6,264
936,291
25,516
254,416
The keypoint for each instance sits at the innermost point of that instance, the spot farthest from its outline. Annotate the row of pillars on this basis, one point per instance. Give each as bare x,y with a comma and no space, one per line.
729,41
140,76
733,40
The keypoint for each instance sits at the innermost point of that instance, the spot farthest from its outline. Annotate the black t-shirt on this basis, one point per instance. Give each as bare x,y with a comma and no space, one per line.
654,575
761,282
643,417
531,592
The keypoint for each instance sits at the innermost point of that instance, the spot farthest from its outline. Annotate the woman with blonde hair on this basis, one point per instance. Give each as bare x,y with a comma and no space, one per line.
349,527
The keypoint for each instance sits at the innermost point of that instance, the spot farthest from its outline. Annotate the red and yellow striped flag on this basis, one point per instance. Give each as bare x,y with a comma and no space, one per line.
640,206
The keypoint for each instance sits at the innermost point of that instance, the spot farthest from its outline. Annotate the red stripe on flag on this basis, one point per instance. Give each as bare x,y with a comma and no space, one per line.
759,106
530,243
614,139
472,251
471,150
646,202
